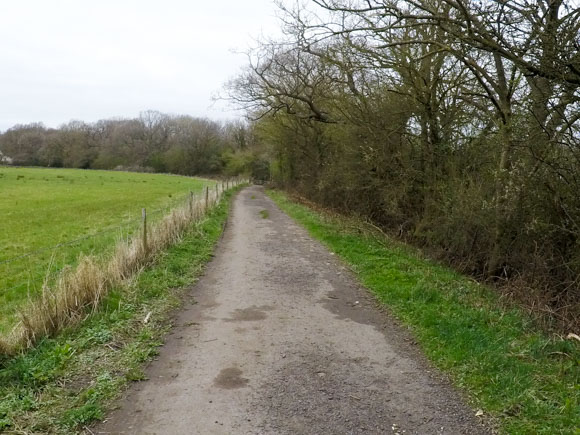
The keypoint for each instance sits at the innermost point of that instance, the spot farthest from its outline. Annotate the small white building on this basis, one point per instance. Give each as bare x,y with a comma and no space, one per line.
5,159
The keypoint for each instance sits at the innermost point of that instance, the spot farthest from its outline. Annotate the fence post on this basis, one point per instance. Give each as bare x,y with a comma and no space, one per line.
145,245
190,203
206,198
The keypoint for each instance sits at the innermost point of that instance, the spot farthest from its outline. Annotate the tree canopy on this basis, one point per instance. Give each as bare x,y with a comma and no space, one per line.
454,123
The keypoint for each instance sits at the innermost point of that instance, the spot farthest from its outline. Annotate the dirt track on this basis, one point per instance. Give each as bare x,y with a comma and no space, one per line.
283,341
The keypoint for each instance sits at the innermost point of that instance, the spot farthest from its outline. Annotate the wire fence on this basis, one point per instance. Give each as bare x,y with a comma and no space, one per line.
24,274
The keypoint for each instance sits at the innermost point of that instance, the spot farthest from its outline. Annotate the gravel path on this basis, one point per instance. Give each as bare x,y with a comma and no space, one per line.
283,340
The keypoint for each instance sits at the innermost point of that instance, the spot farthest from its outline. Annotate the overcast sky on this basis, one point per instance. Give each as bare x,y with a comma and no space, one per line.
88,60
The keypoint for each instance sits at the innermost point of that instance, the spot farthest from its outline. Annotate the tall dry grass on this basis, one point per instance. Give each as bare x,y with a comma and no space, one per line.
77,291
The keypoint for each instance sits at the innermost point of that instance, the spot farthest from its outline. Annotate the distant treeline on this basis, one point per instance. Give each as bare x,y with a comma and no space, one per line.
153,142
454,124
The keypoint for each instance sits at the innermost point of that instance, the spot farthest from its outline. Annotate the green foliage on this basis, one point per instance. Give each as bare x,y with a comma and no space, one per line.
236,163
250,163
526,380
82,415
40,367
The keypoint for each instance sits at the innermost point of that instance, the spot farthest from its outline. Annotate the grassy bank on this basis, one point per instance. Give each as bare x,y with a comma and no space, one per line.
41,208
67,382
527,381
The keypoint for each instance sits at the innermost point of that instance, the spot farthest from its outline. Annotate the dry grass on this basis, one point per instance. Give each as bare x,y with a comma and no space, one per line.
78,291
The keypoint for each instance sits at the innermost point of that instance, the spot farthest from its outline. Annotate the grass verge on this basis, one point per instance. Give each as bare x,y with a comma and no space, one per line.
526,381
66,382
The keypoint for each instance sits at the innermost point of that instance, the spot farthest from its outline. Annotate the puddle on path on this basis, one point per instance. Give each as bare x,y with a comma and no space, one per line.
230,379
252,313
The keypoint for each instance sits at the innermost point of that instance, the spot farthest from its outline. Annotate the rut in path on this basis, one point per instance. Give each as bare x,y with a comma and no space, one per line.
282,340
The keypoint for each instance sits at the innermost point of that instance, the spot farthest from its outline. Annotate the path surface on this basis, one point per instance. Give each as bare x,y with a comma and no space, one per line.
283,341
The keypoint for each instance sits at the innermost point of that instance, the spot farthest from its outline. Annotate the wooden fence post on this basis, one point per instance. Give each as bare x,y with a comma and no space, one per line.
206,198
145,244
191,203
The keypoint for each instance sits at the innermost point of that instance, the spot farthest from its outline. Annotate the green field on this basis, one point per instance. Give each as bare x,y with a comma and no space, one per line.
41,208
